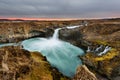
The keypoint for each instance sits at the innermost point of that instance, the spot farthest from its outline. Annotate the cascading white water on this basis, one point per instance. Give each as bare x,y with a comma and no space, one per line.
60,54
56,35
72,27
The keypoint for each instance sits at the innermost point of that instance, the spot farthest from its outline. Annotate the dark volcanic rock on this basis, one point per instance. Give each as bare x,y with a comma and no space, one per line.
73,36
48,32
70,34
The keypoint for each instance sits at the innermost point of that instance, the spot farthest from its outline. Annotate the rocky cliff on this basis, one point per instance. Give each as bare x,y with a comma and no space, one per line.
19,64
93,36
15,31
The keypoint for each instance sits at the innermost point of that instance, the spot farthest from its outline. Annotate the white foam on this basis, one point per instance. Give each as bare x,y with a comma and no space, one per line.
72,27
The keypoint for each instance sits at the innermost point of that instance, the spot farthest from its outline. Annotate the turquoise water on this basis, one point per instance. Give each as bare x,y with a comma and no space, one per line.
8,44
60,54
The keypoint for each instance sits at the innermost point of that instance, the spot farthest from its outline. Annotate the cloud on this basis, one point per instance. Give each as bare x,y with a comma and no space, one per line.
59,8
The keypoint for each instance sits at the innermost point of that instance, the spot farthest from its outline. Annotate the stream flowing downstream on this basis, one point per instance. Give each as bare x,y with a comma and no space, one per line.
60,54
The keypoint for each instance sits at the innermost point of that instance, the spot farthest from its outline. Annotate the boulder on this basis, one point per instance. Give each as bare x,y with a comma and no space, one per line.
83,73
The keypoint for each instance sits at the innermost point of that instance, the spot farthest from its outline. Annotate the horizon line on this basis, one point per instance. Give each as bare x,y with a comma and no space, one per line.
28,18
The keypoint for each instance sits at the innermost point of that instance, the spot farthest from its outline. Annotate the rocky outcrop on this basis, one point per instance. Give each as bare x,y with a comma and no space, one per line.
73,36
107,65
70,34
14,63
19,64
83,73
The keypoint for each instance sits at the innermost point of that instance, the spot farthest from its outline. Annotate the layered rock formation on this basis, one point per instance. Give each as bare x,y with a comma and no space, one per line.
15,31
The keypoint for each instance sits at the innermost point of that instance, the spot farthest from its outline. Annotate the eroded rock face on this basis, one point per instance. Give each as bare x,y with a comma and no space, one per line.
106,34
15,32
84,74
73,36
70,34
107,65
19,64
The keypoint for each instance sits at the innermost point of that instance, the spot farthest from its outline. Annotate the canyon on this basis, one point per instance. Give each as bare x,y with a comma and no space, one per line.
92,33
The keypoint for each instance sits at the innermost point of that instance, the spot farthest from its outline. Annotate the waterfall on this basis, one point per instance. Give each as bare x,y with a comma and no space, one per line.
60,54
99,50
107,48
56,35
88,50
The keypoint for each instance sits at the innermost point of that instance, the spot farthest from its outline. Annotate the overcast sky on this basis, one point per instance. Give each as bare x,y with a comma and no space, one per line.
60,8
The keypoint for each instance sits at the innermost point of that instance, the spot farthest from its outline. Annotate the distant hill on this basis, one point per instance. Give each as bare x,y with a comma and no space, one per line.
11,20
15,20
111,19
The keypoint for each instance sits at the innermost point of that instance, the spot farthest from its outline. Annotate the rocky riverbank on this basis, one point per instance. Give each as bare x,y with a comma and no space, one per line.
106,65
35,66
93,36
19,64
